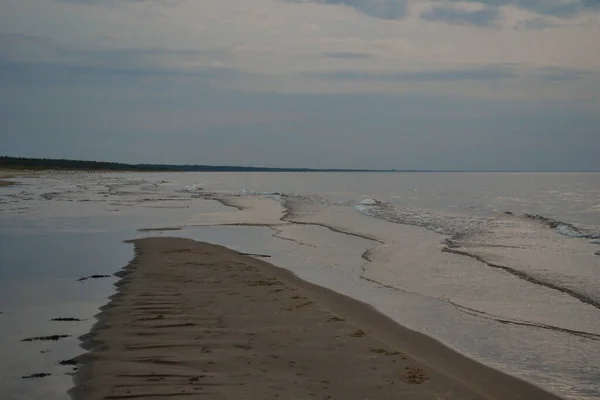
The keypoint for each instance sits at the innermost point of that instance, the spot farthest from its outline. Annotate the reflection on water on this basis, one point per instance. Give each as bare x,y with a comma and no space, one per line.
38,283
52,233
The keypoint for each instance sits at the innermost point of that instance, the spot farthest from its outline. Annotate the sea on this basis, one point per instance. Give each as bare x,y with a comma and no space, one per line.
502,267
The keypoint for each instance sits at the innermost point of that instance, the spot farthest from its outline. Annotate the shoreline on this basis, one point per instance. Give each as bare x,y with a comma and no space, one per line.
407,363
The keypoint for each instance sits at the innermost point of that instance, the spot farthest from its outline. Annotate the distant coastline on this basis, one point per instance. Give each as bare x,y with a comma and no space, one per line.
44,164
24,163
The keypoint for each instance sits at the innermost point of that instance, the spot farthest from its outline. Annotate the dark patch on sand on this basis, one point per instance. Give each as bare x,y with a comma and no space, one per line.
45,338
414,375
66,319
85,278
384,351
256,255
158,229
33,376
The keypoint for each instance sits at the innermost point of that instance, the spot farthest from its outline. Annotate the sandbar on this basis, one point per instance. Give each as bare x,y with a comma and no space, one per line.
196,320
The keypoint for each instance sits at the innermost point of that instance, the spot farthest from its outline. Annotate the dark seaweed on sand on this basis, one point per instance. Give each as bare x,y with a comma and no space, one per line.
38,375
65,319
92,277
52,337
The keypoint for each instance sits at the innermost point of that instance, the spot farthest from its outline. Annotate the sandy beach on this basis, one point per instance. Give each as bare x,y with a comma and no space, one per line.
202,321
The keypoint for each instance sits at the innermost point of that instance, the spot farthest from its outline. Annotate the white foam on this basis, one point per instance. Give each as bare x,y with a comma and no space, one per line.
192,188
270,195
369,202
362,209
569,231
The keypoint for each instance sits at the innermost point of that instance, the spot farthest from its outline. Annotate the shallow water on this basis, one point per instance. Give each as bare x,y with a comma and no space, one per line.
521,297
39,283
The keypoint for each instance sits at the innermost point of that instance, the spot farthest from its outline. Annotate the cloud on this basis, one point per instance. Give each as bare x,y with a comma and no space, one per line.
25,47
47,74
117,2
382,9
557,74
486,17
30,59
556,8
349,55
488,73
535,24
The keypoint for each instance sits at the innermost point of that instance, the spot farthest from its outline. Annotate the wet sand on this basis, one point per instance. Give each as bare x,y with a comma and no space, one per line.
196,320
7,174
3,181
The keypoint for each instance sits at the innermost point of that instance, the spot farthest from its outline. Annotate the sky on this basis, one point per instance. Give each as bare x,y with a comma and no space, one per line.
392,84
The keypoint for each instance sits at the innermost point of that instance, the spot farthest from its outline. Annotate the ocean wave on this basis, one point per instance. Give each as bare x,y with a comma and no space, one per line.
438,222
454,224
564,228
288,200
269,195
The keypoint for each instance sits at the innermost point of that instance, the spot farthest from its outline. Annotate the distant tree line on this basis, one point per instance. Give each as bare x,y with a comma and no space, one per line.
21,163
48,163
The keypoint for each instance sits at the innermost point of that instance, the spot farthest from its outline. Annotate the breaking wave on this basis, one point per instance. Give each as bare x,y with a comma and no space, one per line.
488,241
458,224
564,228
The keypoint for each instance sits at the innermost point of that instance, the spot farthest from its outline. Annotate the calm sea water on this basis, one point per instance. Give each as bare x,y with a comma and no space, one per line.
503,267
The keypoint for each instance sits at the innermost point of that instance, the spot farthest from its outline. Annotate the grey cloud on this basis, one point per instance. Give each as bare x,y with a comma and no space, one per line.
117,2
484,73
91,104
557,8
33,59
535,24
346,55
17,39
382,9
487,17
134,57
25,47
555,74
48,74
476,74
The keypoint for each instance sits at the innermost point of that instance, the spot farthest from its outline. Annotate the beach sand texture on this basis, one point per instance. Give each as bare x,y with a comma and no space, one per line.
194,320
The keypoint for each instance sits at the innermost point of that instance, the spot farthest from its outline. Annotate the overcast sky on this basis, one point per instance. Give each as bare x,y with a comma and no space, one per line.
405,84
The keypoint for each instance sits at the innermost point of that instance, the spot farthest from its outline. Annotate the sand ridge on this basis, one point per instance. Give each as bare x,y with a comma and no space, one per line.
196,320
